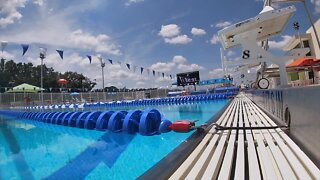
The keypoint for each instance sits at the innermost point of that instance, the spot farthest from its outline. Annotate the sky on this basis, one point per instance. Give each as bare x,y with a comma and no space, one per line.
168,36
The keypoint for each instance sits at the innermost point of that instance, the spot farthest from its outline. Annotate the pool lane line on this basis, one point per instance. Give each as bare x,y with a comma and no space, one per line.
17,156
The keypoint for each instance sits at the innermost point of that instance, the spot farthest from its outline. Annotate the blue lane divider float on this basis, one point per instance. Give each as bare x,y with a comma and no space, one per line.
148,122
140,102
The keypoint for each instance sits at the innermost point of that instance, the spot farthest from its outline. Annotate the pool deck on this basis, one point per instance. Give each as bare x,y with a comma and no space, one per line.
246,153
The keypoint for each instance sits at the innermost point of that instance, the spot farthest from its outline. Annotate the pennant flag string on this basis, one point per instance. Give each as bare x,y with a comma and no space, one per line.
89,57
25,48
60,52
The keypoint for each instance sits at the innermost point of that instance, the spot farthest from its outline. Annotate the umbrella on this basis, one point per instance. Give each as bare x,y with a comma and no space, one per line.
74,94
62,81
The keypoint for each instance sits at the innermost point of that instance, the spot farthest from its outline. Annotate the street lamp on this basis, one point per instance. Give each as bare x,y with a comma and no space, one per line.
308,13
103,64
3,46
43,52
296,26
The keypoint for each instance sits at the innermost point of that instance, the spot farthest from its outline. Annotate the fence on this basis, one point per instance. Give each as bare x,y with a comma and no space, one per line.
23,99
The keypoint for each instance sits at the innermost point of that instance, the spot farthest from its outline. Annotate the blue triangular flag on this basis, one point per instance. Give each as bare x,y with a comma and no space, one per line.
25,48
89,57
153,72
163,75
110,61
170,76
141,70
128,65
60,52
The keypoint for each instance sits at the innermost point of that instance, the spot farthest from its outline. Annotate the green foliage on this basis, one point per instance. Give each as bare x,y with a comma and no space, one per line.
13,74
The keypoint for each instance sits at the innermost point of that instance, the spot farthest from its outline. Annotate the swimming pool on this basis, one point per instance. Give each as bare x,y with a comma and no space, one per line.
35,150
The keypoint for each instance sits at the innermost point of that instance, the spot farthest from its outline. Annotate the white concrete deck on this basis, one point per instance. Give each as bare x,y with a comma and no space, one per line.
246,153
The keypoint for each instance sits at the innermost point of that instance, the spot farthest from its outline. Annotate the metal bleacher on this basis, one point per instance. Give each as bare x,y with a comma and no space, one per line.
256,148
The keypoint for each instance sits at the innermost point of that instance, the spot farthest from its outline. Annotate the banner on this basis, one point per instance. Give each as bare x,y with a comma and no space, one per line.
153,72
60,52
25,48
141,70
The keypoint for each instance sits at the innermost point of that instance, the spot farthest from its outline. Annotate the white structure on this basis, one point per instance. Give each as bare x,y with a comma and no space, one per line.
250,32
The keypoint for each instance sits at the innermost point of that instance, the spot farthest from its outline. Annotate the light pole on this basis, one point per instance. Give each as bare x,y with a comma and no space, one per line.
296,26
43,52
308,13
103,64
3,46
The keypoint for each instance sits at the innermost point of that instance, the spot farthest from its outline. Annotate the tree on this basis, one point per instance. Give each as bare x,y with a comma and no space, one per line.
13,74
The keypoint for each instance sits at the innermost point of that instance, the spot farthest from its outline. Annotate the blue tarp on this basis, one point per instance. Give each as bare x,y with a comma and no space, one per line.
215,81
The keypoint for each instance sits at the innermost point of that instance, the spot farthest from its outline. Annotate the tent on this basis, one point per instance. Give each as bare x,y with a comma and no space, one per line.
24,88
303,62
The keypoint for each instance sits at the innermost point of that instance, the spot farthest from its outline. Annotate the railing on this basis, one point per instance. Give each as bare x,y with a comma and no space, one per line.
23,99
306,82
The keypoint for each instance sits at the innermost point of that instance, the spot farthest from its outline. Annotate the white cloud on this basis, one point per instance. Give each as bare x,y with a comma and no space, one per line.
9,11
179,59
280,44
178,64
7,55
101,43
190,67
171,35
216,73
165,79
38,2
169,30
181,39
57,29
316,5
214,39
129,2
198,32
162,66
223,24
140,83
231,53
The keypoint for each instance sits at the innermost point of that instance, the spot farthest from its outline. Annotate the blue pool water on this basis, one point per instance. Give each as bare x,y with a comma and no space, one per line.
35,150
